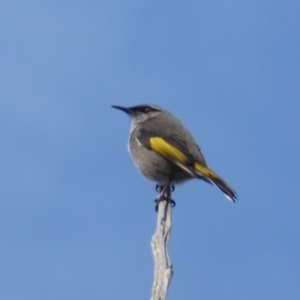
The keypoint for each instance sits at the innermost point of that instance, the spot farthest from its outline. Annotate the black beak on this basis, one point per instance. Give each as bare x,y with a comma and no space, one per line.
125,109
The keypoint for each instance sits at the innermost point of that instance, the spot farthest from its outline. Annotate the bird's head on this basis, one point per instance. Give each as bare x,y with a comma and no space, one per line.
140,113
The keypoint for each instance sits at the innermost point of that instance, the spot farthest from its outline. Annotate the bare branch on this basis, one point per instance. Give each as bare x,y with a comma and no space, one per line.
163,269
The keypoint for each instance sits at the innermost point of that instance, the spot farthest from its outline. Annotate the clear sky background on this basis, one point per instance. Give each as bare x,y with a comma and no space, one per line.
76,217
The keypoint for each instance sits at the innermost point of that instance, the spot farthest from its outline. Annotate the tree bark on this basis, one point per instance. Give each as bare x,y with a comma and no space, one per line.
163,269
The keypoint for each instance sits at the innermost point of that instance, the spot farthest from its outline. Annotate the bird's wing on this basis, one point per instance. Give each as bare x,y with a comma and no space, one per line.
175,150
171,147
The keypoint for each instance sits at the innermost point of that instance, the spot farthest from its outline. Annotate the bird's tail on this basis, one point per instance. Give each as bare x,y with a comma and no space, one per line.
211,177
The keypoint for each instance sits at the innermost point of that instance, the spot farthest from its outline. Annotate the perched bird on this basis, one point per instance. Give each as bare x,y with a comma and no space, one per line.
165,152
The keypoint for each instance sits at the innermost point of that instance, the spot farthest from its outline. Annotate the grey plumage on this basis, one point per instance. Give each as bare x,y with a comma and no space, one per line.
165,152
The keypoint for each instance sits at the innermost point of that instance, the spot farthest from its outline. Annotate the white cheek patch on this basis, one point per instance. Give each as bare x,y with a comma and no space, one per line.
133,124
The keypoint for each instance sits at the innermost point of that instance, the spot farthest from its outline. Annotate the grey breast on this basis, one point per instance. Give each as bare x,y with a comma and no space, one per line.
152,165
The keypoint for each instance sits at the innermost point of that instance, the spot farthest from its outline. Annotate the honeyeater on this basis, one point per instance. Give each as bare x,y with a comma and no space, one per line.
165,152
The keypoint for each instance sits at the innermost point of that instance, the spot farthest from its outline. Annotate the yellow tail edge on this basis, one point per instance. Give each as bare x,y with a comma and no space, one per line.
210,176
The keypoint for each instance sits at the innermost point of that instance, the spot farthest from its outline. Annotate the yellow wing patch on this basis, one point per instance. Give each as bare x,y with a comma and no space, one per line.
167,150
205,171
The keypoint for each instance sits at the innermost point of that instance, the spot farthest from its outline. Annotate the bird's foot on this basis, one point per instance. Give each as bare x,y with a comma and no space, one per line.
160,188
169,201
164,195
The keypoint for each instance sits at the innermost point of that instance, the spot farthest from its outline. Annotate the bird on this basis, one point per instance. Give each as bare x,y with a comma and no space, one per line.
165,152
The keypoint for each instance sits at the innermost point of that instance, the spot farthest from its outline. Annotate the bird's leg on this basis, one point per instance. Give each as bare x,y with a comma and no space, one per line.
158,188
164,194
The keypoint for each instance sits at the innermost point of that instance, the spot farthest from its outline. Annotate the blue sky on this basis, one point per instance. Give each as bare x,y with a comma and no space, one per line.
76,217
